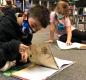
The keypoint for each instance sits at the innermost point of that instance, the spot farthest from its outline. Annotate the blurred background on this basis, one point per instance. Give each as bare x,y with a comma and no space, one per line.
48,3
77,8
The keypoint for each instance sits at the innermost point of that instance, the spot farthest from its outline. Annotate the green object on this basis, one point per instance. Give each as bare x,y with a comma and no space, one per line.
60,16
7,73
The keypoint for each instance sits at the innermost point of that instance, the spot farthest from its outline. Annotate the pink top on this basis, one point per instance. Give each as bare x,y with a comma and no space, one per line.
66,22
52,16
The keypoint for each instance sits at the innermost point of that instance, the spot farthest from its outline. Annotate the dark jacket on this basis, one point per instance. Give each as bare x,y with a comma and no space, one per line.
11,37
9,33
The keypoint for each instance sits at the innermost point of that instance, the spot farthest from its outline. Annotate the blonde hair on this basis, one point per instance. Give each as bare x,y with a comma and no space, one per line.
62,8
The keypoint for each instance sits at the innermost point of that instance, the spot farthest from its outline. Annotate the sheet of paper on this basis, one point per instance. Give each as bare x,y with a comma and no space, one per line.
35,73
62,64
63,45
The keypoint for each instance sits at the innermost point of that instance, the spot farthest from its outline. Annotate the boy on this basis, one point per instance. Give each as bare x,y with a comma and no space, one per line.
13,44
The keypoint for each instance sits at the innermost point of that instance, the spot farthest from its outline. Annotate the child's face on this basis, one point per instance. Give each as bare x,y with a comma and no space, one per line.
35,24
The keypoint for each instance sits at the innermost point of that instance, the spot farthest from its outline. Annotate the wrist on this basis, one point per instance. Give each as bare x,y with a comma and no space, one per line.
50,41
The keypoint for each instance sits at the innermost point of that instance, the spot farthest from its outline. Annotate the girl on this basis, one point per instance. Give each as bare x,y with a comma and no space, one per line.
61,22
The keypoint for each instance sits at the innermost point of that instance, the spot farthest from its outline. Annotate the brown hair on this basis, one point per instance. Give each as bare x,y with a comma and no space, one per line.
41,13
62,8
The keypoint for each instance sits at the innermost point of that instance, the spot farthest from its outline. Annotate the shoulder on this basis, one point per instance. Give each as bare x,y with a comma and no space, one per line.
52,16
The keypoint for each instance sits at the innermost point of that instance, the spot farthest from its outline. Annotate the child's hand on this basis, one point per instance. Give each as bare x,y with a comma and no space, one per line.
23,49
68,43
49,41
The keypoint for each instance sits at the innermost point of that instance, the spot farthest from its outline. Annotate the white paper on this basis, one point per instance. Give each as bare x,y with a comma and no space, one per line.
36,72
62,64
63,45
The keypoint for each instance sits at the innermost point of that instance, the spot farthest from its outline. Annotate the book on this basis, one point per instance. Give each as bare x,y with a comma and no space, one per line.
38,72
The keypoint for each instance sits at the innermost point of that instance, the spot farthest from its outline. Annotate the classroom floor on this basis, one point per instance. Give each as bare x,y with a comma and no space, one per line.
75,72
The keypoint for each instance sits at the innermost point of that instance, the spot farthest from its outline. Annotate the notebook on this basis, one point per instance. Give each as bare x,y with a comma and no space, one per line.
43,65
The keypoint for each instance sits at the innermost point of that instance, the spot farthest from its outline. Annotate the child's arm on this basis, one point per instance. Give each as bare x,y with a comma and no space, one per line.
52,30
69,35
52,27
69,30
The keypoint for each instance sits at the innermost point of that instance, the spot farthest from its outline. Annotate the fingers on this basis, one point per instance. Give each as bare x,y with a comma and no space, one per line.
23,50
24,56
49,41
68,43
22,46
